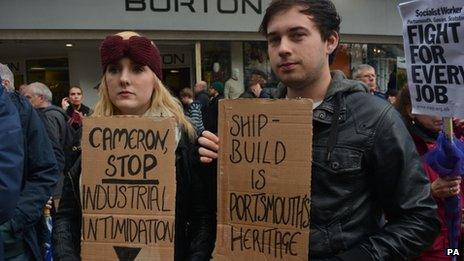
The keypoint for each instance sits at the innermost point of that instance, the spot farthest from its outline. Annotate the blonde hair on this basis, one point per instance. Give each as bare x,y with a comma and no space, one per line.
161,101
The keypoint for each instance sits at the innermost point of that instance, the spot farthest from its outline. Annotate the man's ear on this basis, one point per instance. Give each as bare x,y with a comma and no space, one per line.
332,42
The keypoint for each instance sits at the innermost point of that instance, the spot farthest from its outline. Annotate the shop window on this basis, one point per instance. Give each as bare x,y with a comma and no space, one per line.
177,79
255,57
52,72
383,57
342,60
216,61
177,66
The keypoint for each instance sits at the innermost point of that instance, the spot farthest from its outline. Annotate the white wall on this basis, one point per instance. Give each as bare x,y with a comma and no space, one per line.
85,71
370,17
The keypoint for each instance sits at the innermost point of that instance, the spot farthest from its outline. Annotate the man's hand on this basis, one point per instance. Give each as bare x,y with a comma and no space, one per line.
209,143
49,204
444,188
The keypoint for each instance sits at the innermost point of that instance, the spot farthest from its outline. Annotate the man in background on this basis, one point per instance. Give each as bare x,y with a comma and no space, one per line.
216,92
366,74
201,93
54,119
255,86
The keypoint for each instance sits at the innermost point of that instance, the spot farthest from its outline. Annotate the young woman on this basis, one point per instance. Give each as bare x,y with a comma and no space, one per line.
74,107
131,85
75,98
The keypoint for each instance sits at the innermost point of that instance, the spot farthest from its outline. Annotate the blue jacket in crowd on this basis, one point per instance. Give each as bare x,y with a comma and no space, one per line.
11,159
39,178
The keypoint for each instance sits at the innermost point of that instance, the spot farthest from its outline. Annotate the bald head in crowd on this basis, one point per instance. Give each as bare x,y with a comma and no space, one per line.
200,86
7,77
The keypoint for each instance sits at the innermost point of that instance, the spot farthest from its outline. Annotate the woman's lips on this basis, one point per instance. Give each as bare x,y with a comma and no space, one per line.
125,94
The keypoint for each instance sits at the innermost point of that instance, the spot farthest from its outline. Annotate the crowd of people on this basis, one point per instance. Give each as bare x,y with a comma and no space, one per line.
373,195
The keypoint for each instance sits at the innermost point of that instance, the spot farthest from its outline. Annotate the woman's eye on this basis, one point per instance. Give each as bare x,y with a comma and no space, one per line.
138,68
113,69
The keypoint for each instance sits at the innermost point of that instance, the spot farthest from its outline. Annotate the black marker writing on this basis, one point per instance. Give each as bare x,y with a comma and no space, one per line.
128,230
143,197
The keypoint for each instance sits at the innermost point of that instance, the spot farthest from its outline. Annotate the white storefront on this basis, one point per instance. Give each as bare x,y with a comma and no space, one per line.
191,34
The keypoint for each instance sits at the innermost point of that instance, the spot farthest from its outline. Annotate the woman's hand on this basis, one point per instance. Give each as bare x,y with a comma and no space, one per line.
65,103
444,188
209,146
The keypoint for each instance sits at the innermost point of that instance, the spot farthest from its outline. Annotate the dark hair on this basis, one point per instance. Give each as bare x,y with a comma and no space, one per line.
323,13
392,92
260,73
75,87
403,104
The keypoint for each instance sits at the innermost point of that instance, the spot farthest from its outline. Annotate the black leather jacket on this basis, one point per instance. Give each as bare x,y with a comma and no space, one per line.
365,167
194,238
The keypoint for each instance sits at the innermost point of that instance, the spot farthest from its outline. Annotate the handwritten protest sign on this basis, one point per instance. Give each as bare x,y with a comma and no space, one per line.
264,179
434,49
128,188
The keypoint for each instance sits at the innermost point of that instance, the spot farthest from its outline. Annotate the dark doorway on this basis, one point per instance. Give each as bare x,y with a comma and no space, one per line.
52,72
177,79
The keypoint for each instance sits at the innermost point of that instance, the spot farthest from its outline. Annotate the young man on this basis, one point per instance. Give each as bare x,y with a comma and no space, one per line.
364,162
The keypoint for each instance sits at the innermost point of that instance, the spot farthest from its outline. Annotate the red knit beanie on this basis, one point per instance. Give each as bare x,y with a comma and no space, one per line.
137,48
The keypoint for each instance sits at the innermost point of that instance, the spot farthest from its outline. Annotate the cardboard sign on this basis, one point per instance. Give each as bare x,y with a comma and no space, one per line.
434,48
264,182
128,188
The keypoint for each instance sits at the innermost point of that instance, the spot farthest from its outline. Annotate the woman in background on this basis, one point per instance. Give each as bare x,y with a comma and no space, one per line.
424,129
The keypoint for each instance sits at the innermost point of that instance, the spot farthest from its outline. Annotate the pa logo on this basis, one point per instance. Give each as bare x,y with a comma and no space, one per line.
452,252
